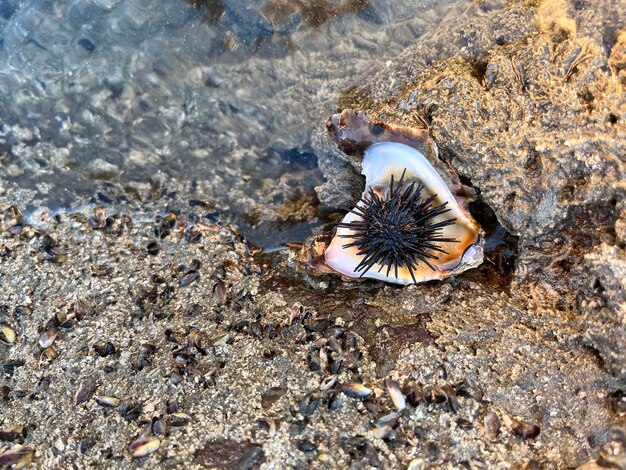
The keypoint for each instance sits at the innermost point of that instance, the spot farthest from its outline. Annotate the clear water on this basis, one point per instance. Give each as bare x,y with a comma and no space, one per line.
136,104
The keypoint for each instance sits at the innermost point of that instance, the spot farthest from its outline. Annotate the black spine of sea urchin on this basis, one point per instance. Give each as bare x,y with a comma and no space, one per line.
396,229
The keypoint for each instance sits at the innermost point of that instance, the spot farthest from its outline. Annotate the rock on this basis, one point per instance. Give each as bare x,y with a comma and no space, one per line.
535,124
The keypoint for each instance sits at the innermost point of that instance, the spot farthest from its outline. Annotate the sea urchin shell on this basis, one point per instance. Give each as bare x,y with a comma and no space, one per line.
408,227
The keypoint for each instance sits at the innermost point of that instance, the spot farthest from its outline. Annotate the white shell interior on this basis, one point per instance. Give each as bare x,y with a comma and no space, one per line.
382,160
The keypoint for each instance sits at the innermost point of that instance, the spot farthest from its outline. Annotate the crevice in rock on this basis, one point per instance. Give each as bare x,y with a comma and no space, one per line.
501,247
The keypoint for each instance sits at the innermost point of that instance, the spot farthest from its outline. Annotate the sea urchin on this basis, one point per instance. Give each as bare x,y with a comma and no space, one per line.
406,229
396,228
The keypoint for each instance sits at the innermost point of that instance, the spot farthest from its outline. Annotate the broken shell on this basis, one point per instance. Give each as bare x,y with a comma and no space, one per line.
153,248
199,340
391,419
416,464
86,445
15,229
306,446
445,394
10,366
108,402
52,251
309,405
188,278
176,377
322,457
335,401
451,242
48,355
524,430
144,446
17,457
464,424
104,349
85,391
172,407
130,411
181,358
98,218
47,338
7,335
382,432
180,419
491,424
396,395
313,358
220,339
414,397
220,292
156,426
477,463
355,390
330,383
13,434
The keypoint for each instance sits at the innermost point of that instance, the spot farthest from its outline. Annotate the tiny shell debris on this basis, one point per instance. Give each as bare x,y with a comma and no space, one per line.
546,161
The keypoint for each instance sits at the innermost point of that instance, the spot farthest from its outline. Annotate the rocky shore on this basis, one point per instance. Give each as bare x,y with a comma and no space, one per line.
169,341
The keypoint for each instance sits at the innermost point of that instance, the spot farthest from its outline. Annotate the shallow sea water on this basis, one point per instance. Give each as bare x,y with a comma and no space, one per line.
155,105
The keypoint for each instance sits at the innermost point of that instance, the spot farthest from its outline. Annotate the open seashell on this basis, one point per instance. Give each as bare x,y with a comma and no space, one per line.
408,227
